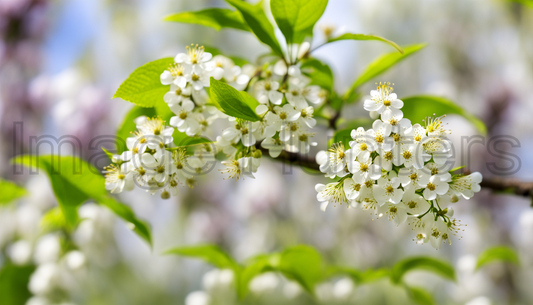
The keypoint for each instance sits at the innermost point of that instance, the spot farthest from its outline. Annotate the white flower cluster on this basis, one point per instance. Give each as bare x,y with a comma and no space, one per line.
188,76
397,170
153,163
286,118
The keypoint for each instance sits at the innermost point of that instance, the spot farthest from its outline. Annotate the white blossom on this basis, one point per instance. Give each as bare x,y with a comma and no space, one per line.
242,130
414,203
382,99
184,120
434,187
267,91
397,213
330,193
387,190
196,58
117,179
466,185
274,146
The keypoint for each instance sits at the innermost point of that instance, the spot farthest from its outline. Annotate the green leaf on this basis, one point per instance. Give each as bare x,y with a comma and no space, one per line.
302,264
143,87
123,211
128,125
216,18
53,220
10,192
239,61
523,2
214,51
350,36
74,181
344,135
436,266
70,177
232,102
499,253
181,139
254,268
380,65
319,72
420,295
360,277
14,284
416,108
296,18
255,17
210,254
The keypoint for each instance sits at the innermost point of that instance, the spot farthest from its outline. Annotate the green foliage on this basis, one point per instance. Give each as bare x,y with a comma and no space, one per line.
74,181
360,277
499,253
255,17
436,266
232,102
255,267
239,61
210,254
10,192
128,125
70,186
213,255
351,36
319,73
380,65
305,265
420,295
123,211
53,220
344,135
14,284
181,139
296,18
528,3
143,87
416,108
216,18
302,264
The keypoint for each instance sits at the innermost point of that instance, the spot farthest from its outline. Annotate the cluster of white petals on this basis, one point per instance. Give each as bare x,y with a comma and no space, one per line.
154,162
397,170
285,110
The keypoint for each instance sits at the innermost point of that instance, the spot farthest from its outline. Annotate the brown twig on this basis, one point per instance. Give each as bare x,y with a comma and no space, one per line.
509,186
333,120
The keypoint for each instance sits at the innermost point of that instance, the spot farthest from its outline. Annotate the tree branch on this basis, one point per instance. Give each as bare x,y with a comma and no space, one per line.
508,186
496,184
333,120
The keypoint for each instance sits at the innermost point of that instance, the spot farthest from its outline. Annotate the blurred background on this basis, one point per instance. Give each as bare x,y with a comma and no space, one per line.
61,61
